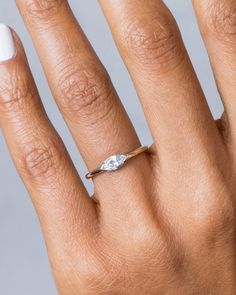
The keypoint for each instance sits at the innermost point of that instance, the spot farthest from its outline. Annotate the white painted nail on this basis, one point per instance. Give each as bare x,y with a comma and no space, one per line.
7,46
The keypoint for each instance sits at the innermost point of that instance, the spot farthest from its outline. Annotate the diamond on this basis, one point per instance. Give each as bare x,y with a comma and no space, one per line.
114,162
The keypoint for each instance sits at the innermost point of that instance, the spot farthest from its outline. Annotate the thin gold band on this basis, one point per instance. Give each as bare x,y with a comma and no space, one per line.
123,159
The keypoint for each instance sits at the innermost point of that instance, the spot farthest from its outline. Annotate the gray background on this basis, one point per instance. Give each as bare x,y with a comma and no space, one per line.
24,268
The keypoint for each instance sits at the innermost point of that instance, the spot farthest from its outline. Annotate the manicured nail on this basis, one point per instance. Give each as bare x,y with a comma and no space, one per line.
7,46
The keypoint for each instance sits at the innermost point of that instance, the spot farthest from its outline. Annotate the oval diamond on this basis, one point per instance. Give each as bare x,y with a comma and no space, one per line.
114,162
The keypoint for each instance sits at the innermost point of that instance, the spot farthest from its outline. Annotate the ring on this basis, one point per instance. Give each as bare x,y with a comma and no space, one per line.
115,162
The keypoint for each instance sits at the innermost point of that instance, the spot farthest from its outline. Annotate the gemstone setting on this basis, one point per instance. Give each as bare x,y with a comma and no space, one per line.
114,162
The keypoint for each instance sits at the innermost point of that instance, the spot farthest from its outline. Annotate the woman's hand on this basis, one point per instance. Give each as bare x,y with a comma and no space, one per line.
164,223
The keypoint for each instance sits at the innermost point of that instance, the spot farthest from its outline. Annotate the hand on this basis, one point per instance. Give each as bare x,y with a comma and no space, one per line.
165,222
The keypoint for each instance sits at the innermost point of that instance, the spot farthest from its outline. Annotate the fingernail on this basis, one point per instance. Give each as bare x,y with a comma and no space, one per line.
7,46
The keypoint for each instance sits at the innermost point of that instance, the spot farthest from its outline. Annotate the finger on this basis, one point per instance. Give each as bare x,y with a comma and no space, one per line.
174,104
59,197
79,82
217,24
88,101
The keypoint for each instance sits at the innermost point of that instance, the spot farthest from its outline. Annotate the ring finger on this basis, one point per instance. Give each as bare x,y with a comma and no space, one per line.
82,88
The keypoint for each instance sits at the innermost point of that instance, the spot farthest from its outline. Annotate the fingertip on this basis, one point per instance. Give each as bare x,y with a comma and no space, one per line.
11,47
8,48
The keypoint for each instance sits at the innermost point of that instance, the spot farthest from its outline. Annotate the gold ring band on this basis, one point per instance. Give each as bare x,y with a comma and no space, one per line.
115,162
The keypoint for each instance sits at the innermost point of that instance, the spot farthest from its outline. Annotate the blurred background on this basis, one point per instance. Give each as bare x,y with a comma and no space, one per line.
24,268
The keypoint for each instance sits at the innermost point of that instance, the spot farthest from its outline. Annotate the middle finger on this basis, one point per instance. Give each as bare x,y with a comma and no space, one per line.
151,46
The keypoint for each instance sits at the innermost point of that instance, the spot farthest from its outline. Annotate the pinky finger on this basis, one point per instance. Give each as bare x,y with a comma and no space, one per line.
39,154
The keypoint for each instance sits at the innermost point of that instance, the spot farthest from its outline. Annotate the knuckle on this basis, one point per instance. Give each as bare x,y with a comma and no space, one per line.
40,161
14,93
43,8
12,99
154,42
93,278
87,93
221,223
215,221
94,272
221,17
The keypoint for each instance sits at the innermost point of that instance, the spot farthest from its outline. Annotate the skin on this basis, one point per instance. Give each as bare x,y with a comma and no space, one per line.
164,223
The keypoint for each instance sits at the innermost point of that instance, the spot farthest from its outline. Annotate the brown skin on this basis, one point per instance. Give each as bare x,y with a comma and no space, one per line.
165,223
